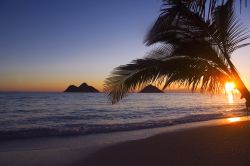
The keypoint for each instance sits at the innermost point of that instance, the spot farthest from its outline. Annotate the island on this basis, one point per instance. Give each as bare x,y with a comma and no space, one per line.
151,89
84,87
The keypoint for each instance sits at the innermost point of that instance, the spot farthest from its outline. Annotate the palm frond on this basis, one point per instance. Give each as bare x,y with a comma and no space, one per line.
228,30
179,15
170,12
182,70
224,31
205,8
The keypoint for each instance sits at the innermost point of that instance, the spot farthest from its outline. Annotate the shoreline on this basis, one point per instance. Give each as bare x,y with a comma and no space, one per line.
224,144
49,151
41,133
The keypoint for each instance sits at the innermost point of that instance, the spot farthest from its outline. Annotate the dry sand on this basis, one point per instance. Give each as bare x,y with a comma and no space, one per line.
215,145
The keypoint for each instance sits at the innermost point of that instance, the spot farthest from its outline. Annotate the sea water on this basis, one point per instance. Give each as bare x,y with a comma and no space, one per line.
26,115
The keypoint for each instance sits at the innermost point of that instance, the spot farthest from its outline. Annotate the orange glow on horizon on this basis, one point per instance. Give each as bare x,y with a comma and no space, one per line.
45,86
49,83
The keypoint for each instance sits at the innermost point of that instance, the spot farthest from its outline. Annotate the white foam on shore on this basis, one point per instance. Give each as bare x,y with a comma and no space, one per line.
63,151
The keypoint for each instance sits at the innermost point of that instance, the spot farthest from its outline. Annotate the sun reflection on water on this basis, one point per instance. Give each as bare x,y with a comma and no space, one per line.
230,98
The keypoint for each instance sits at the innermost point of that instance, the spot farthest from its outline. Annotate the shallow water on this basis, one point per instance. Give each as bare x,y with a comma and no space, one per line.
25,115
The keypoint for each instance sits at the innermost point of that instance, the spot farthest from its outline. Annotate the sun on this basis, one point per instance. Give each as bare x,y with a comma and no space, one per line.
234,119
229,87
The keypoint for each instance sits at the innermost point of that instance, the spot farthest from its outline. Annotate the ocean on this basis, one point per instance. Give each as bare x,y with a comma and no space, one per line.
28,115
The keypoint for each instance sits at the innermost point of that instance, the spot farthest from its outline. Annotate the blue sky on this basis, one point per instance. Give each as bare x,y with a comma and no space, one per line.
45,45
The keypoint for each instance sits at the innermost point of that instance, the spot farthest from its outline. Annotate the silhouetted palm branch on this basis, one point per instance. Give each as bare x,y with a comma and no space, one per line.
204,8
182,70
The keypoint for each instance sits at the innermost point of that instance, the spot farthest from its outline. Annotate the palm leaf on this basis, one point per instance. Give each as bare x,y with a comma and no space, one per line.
182,70
229,32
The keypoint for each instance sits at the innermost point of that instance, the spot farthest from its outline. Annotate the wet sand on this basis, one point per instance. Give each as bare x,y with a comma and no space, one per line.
214,145
214,142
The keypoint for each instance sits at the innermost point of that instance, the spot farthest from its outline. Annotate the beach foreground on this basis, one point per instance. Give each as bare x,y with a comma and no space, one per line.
213,142
214,145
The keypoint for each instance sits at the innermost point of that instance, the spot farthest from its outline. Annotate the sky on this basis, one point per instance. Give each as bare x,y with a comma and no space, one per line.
46,45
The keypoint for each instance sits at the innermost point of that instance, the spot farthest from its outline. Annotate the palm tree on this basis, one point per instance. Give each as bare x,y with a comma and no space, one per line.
207,6
192,49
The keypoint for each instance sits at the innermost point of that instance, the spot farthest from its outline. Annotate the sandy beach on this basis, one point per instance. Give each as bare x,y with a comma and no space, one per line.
214,145
214,142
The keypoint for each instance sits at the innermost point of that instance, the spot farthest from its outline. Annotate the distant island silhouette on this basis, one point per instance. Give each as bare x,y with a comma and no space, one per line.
84,87
151,89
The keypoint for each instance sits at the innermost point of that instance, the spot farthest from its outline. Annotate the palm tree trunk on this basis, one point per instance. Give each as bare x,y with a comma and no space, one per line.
243,89
240,84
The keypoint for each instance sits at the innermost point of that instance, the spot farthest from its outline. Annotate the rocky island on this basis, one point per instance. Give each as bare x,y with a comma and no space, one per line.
151,89
84,87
